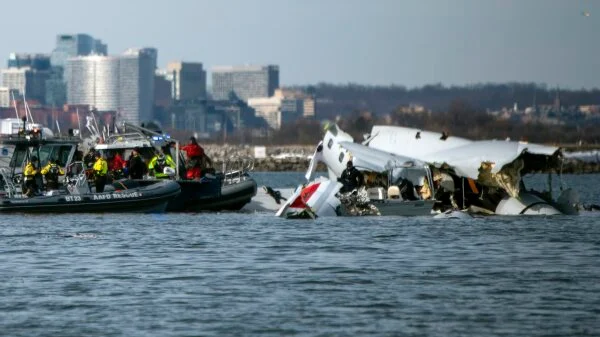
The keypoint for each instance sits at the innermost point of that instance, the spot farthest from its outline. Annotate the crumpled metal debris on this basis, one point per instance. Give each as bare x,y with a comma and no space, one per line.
357,203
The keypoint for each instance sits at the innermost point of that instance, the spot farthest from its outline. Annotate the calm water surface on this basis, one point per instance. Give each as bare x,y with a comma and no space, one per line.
233,274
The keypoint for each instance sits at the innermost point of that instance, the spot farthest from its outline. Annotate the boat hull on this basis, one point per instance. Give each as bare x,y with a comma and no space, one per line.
144,199
198,196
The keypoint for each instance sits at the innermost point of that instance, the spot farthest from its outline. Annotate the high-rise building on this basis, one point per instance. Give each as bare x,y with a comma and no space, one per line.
6,97
244,82
71,45
123,83
188,80
67,46
162,88
136,84
56,87
33,61
27,74
93,80
28,82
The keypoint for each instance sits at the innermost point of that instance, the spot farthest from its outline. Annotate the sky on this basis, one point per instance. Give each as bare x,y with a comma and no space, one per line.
371,42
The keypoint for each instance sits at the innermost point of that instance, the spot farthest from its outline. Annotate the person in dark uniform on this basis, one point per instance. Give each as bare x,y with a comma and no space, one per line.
89,159
351,178
51,172
136,166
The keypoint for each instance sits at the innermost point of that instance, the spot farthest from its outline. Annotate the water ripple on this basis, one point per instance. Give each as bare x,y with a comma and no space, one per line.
253,275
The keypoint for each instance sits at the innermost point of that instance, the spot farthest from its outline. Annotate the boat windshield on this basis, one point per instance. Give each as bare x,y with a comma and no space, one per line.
63,153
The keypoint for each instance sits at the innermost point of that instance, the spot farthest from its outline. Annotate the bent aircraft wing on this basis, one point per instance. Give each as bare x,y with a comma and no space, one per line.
467,160
377,160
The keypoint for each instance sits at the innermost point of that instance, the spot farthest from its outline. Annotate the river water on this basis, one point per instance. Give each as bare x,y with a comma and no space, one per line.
233,274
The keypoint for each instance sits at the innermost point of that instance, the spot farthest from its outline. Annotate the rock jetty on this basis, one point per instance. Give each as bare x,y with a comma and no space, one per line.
292,158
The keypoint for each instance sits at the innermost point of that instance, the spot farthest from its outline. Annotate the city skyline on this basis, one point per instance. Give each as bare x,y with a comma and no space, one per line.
408,43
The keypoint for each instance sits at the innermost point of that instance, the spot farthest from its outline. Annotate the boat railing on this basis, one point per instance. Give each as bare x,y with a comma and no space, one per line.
76,179
126,137
10,188
236,170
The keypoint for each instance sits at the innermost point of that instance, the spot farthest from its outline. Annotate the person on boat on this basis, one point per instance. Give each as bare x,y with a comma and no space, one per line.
136,166
197,158
89,159
116,166
351,178
407,190
193,150
158,163
51,172
100,171
29,177
193,173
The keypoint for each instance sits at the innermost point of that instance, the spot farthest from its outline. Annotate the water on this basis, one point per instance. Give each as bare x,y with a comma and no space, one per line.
233,274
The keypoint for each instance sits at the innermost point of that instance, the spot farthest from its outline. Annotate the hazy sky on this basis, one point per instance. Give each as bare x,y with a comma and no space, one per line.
404,42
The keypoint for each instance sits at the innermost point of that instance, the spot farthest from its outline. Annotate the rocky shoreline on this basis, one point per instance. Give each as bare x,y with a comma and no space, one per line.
293,158
296,158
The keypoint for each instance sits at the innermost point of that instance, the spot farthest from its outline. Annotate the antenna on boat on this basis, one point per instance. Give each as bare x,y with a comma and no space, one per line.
78,123
12,94
58,126
27,111
98,132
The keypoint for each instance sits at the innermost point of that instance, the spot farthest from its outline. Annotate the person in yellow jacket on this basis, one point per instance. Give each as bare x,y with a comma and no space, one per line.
100,170
51,172
158,163
31,170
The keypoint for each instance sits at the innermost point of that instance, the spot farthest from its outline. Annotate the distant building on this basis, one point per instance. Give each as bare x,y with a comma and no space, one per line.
6,95
306,105
27,74
33,61
56,88
269,108
285,106
245,82
26,81
309,107
123,83
93,80
412,108
188,80
71,45
136,84
208,117
162,88
68,46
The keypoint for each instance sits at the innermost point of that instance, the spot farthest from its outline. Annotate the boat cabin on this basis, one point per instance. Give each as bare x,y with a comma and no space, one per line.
63,149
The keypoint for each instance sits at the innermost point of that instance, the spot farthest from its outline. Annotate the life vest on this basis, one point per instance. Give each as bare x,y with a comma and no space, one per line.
100,167
30,171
